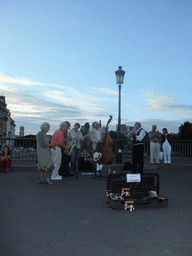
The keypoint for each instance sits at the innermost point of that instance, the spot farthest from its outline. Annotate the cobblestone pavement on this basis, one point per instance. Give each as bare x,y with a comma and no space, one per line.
71,217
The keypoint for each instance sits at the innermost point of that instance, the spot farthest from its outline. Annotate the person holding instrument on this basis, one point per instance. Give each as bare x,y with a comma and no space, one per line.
77,136
138,136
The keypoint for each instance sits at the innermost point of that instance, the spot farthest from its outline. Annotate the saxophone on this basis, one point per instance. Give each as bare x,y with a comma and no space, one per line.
70,145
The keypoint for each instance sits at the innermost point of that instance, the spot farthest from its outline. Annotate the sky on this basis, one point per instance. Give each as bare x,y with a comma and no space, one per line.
59,57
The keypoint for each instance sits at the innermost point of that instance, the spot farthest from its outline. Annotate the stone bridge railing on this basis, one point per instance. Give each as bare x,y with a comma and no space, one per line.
25,148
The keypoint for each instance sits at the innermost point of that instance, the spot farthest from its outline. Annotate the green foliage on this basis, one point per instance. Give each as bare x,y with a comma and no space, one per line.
185,131
174,136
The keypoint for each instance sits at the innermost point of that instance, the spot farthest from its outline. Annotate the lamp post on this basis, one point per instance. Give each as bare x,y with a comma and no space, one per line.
119,80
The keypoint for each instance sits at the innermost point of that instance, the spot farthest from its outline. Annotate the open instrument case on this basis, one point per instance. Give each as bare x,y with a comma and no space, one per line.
133,191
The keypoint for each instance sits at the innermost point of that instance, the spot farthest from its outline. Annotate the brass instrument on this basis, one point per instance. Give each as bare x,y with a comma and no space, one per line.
70,144
129,134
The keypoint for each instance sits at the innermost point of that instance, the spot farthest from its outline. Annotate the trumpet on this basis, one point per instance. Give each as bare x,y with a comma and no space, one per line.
129,134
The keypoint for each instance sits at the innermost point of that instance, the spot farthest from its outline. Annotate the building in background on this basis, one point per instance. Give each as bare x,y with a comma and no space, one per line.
10,125
3,117
7,124
22,131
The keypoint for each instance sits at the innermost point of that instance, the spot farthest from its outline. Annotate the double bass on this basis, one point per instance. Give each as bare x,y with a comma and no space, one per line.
106,148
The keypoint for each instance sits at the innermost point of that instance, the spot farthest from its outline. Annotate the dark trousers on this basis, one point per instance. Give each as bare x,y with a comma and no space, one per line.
75,158
64,168
138,161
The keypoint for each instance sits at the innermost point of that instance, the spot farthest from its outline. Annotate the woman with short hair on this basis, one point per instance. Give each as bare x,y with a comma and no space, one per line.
44,154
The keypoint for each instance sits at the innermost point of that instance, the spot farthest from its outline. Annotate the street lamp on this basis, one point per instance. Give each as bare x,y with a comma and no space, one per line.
119,80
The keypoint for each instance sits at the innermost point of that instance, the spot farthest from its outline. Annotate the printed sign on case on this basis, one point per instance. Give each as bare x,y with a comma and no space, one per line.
134,177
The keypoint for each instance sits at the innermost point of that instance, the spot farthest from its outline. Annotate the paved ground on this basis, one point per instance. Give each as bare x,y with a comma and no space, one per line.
71,217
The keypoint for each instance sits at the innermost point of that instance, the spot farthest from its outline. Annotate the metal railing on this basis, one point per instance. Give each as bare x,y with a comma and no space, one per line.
22,149
25,148
179,148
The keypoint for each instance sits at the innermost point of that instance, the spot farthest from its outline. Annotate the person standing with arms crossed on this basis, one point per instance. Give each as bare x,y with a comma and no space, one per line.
154,137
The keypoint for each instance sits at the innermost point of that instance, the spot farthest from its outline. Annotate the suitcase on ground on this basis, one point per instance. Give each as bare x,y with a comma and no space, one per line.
133,191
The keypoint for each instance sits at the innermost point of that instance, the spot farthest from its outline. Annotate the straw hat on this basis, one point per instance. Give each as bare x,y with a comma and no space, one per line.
96,156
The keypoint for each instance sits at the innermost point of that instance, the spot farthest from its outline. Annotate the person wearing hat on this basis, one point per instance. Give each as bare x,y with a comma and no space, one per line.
43,153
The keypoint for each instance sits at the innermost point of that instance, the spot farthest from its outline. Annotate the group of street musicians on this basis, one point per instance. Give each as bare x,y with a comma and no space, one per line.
77,139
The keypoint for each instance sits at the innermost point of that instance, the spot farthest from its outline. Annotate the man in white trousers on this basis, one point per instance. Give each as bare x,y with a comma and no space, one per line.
154,137
58,138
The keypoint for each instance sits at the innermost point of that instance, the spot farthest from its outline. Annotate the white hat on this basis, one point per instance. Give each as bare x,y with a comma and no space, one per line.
96,156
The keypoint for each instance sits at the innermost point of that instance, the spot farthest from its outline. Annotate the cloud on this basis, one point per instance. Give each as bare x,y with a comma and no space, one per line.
27,109
5,78
132,107
166,102
31,108
106,90
72,97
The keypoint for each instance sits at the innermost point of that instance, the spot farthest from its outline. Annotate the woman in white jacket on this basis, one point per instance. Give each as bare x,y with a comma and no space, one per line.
166,146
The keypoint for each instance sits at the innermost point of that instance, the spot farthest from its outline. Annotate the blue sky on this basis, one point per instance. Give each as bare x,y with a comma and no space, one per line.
59,57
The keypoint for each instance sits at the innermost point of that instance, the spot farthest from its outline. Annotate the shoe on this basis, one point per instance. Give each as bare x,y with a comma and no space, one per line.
48,181
41,181
57,178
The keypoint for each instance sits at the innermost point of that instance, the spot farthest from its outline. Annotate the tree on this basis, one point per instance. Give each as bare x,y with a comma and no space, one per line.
174,136
185,131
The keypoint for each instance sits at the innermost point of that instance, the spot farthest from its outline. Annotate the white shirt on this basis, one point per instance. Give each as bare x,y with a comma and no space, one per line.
98,134
141,136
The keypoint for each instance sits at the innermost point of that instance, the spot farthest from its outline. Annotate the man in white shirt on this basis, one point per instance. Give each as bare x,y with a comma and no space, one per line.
138,136
97,137
154,137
